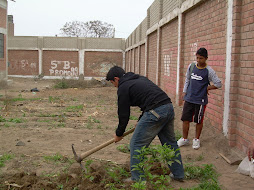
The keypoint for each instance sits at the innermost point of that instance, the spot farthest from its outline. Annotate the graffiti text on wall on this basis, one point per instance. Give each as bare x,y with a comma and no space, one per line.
63,68
24,65
167,65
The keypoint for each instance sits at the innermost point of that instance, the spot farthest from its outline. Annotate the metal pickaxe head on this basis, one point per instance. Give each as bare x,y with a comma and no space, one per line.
77,158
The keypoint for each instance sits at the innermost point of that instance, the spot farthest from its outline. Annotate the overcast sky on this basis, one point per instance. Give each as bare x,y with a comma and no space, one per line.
46,17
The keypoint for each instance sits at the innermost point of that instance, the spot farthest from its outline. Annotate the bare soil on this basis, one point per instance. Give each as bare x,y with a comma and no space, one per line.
54,119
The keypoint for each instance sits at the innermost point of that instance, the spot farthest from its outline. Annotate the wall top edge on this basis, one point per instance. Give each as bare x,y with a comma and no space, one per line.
82,38
3,4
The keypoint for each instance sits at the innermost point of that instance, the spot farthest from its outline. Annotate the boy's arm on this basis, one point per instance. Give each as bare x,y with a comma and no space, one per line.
187,79
213,78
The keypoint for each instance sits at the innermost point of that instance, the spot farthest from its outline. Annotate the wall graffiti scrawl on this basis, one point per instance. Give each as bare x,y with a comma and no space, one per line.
22,66
63,68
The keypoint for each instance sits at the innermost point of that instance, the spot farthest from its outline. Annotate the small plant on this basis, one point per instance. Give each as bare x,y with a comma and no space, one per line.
125,148
56,158
93,120
7,125
62,84
133,117
117,173
178,135
4,158
75,108
206,174
47,115
200,157
53,99
139,185
2,119
16,120
159,154
13,120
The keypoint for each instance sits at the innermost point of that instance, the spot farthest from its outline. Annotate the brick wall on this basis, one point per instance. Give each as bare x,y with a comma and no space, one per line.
23,62
209,33
228,36
61,63
3,28
152,57
242,86
3,13
97,64
168,55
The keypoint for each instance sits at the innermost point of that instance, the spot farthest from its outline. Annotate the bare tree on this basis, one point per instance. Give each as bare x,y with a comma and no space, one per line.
74,29
93,29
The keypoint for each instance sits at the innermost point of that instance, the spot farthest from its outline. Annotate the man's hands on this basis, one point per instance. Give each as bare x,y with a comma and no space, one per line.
117,139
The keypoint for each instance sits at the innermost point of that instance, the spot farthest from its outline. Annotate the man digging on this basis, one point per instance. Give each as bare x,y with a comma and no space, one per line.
157,117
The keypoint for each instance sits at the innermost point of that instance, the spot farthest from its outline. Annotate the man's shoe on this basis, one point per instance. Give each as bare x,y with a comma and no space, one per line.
196,144
177,179
182,142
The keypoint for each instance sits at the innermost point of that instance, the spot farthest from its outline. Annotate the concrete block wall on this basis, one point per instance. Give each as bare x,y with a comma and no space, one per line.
3,33
58,57
226,29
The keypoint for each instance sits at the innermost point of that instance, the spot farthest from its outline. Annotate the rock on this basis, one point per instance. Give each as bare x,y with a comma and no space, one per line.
20,143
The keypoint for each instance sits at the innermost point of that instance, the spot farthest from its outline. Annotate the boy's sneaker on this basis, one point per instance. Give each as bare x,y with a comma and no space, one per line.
196,144
182,142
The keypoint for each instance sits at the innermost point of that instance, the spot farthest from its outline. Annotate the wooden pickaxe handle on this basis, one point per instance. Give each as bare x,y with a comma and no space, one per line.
95,149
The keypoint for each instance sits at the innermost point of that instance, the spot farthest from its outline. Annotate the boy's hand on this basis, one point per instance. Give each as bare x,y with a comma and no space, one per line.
183,95
251,152
211,87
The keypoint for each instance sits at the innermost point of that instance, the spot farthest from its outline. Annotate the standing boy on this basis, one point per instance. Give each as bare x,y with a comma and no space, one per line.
157,117
196,88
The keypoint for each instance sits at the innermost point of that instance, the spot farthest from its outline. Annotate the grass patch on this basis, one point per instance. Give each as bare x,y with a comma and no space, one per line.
57,158
53,99
75,108
4,158
178,135
13,120
206,174
133,117
125,148
47,115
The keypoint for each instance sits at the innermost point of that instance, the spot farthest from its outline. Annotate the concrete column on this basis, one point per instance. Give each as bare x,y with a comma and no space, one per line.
139,53
124,53
81,61
146,55
228,66
40,52
179,49
158,55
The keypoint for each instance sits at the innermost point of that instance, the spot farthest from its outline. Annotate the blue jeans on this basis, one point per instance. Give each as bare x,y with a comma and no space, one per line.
146,130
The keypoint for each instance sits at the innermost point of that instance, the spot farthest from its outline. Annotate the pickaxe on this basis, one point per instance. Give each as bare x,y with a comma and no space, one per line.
79,158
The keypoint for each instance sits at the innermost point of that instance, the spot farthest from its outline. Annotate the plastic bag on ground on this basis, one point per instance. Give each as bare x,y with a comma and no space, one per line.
246,167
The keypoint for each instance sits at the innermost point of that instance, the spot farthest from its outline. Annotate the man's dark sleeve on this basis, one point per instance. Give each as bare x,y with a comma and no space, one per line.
123,111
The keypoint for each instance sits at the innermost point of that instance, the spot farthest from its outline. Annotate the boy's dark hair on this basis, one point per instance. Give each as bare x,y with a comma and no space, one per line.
115,72
202,52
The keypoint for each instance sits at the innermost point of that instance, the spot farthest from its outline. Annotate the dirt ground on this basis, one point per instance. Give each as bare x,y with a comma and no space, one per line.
54,119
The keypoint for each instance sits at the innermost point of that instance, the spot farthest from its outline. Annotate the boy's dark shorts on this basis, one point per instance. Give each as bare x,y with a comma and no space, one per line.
190,110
